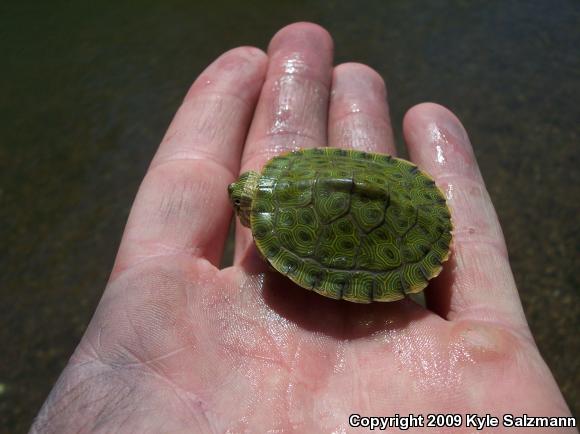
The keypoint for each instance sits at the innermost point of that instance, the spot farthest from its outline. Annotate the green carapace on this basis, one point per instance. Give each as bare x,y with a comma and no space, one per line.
347,224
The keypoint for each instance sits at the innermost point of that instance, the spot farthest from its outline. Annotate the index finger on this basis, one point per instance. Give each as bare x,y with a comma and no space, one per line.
182,204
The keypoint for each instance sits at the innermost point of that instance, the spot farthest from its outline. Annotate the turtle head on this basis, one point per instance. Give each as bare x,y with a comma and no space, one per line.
241,194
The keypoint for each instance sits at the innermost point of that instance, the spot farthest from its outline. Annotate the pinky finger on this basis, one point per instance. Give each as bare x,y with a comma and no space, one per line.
477,283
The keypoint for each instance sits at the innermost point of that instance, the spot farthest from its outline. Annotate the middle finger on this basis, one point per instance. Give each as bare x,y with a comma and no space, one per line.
292,111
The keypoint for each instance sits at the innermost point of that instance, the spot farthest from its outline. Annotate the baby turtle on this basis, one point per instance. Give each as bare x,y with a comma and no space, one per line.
347,224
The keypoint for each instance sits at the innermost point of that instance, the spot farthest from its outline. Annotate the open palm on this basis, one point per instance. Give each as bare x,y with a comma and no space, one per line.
177,345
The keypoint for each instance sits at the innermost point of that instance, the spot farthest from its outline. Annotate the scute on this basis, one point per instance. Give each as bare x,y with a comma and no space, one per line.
349,224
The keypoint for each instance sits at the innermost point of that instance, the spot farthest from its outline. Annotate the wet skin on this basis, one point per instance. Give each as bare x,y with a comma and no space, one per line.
177,345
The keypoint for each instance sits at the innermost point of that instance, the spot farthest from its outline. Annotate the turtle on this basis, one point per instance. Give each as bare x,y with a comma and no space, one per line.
345,223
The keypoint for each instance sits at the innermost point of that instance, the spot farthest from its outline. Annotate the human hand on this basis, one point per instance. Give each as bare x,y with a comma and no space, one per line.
177,345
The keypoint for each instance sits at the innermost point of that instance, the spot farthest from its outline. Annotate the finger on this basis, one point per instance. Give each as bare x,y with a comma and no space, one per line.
359,114
182,204
477,283
293,106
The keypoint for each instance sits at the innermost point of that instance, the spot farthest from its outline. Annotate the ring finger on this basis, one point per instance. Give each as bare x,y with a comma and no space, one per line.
359,113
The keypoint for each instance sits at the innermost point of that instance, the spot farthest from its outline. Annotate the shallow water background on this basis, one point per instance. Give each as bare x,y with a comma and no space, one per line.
86,93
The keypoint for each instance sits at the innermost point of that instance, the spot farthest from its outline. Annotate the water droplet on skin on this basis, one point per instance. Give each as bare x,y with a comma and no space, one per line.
340,430
429,364
440,140
283,109
340,365
294,64
449,191
450,149
440,157
284,89
355,108
436,134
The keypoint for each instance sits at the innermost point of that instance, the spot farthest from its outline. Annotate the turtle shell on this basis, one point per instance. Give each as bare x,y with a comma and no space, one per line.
349,224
